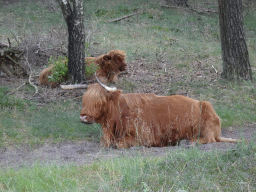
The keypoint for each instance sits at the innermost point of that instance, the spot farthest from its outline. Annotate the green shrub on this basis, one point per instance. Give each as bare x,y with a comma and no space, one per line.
60,69
91,69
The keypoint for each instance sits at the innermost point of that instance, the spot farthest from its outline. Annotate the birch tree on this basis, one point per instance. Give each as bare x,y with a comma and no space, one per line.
73,12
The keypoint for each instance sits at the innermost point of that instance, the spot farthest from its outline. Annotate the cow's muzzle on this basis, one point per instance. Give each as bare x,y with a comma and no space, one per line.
86,119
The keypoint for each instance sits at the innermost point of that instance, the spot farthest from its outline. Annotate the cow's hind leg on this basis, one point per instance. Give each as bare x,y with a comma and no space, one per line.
204,140
210,124
207,133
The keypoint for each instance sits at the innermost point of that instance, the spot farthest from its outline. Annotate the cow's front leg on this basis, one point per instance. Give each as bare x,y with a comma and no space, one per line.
107,138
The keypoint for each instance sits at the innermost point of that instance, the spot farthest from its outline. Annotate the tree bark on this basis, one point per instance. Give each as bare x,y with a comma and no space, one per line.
73,12
235,55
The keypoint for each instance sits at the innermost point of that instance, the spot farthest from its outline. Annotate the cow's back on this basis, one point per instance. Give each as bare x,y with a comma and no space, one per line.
135,100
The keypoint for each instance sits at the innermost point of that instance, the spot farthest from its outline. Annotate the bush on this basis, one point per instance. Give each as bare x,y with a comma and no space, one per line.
60,69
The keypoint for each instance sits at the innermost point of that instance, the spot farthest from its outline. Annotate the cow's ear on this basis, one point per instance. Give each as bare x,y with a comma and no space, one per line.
106,57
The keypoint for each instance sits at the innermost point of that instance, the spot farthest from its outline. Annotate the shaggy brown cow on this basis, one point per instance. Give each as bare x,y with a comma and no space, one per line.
110,66
150,120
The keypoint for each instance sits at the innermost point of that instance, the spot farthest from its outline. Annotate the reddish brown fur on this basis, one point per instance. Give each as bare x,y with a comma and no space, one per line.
150,120
43,77
132,100
110,66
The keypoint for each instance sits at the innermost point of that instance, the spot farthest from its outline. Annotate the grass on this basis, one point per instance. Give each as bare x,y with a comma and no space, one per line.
23,122
190,170
185,43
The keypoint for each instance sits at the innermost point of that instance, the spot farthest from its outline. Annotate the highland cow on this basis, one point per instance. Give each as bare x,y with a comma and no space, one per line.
109,67
146,119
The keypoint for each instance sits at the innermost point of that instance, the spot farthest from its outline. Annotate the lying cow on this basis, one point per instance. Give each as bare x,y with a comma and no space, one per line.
146,119
109,67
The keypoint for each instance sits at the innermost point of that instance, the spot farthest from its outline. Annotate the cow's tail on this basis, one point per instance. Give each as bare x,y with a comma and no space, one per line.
225,139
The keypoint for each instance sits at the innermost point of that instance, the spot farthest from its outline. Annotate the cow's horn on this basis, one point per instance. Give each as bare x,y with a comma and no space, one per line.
111,89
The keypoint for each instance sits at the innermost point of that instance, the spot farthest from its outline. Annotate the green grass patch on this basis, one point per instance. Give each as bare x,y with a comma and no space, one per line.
24,20
23,122
61,121
190,170
9,101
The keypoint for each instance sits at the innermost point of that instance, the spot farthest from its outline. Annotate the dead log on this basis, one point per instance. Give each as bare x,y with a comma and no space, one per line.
76,86
9,61
124,17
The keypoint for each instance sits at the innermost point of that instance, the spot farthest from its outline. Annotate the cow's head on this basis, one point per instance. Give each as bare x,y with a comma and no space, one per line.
119,59
112,63
101,101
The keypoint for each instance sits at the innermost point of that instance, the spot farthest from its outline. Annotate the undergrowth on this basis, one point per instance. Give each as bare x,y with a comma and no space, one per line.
59,71
91,69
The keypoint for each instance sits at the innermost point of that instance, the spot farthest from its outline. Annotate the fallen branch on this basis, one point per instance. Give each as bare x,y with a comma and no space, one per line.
204,11
25,83
215,69
118,19
7,56
217,74
9,42
77,86
3,45
29,79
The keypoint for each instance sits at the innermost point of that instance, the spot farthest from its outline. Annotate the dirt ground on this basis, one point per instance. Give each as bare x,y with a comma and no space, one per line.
86,152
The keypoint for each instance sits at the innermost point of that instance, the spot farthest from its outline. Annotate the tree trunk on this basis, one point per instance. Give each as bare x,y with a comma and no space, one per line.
73,16
235,55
